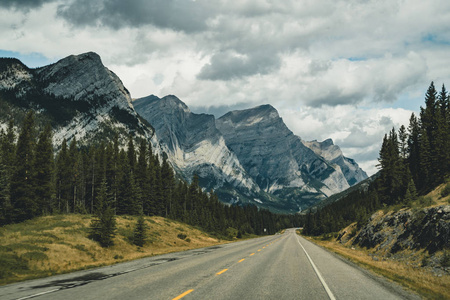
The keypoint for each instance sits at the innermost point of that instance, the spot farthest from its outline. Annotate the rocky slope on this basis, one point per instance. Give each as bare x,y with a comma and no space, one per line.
333,154
194,145
78,95
277,159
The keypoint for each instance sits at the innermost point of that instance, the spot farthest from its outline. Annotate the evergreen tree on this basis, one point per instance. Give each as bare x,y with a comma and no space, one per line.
44,166
414,148
7,155
103,225
63,178
22,186
140,232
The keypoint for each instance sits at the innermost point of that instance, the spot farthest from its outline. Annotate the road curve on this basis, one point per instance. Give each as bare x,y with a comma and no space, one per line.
274,267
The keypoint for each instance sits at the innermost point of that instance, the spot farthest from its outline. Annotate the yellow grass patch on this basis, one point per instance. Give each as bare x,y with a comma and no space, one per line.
59,244
407,272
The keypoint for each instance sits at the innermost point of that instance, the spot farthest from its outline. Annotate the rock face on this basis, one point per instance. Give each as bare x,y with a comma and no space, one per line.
333,154
277,159
428,229
78,94
194,145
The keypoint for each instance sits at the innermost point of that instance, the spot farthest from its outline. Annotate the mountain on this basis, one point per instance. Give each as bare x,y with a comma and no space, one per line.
78,95
278,160
247,156
195,146
333,154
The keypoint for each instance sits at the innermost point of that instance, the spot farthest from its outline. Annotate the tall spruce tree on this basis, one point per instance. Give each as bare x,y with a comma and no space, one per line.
44,170
23,197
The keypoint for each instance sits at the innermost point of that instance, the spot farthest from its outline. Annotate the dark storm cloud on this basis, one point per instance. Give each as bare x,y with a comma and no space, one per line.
23,5
178,15
226,66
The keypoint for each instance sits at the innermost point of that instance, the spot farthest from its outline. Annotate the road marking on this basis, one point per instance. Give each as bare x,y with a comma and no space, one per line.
241,260
221,272
182,295
327,289
252,254
259,250
39,294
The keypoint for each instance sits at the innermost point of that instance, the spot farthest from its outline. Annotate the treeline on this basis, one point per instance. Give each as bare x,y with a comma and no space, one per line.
106,177
412,162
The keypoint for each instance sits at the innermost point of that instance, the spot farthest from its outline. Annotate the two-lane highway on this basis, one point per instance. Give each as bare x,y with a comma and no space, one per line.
274,267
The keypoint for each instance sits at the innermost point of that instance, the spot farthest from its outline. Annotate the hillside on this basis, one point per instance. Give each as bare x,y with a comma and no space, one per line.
410,245
57,244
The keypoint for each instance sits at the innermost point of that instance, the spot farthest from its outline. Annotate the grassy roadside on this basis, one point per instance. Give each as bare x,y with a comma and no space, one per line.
58,244
417,279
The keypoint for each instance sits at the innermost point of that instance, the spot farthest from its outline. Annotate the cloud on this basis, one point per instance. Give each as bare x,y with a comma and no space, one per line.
187,16
228,65
23,5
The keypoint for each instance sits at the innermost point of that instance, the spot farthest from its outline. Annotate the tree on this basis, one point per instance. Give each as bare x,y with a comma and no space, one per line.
44,167
22,186
103,225
140,232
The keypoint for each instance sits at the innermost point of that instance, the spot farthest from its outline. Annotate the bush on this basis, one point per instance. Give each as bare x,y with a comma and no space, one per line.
445,191
181,236
140,232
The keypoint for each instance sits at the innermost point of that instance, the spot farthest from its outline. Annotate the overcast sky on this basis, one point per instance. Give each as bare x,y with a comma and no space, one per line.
347,70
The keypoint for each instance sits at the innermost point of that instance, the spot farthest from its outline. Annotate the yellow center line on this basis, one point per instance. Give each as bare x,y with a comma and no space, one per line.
182,295
241,260
221,272
259,250
252,254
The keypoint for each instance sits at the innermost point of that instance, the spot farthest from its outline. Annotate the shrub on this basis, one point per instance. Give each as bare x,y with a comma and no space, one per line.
181,236
445,191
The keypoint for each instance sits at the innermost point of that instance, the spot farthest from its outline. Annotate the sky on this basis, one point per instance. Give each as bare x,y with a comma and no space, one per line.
347,70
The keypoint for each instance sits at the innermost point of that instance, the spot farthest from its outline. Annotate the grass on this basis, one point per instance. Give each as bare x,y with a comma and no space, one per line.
408,268
405,273
59,244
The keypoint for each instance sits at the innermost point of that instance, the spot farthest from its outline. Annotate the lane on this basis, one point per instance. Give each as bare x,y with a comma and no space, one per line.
159,277
275,267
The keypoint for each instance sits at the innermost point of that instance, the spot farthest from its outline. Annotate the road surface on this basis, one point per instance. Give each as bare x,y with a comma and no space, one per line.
274,267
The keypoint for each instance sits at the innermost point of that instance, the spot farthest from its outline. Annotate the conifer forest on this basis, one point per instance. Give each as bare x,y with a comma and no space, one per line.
413,160
107,180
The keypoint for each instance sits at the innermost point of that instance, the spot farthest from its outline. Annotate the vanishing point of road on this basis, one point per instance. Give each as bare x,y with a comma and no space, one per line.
273,267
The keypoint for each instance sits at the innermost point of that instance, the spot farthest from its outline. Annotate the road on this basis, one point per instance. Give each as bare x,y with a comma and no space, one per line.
274,267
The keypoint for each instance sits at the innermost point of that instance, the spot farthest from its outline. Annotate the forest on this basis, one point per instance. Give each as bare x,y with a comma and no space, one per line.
412,162
107,180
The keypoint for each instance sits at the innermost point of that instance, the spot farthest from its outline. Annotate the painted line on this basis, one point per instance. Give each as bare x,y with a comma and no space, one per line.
241,260
221,272
252,254
182,295
39,294
259,250
327,289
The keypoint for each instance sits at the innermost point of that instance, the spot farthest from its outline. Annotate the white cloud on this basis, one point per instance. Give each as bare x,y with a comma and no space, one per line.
330,67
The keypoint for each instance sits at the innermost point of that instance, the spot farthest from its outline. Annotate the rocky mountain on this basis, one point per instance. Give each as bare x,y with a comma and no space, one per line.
333,154
195,146
277,159
247,156
78,95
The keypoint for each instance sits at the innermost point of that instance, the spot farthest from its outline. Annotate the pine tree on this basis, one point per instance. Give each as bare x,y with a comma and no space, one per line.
103,225
63,176
140,232
414,148
7,155
22,186
44,166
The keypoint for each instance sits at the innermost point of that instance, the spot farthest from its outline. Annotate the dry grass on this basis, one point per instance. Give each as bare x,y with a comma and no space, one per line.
407,273
58,244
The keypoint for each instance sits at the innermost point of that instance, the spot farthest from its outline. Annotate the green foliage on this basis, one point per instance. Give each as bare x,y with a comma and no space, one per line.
181,236
445,191
34,255
140,232
11,264
103,227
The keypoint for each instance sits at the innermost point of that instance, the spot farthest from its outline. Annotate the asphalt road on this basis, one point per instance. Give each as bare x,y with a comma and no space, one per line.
273,267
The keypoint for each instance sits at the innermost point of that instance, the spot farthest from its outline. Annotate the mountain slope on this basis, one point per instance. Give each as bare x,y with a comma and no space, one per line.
277,159
333,154
78,95
194,145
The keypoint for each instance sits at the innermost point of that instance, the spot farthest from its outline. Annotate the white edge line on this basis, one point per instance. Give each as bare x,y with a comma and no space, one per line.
327,289
39,294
